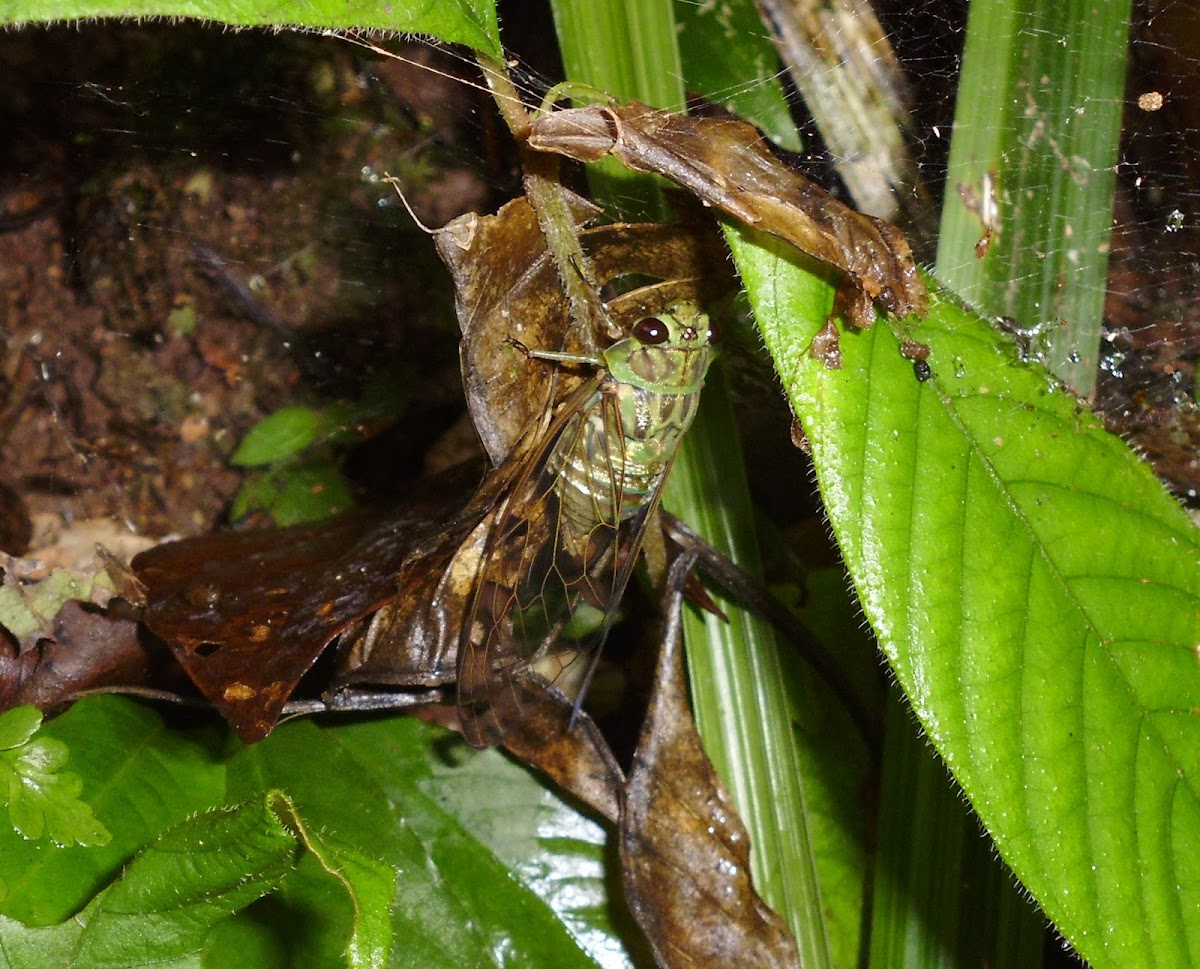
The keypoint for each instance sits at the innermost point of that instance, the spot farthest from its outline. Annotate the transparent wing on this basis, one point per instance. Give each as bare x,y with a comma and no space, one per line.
556,564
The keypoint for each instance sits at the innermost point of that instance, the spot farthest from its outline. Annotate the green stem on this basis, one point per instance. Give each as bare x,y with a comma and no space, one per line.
629,48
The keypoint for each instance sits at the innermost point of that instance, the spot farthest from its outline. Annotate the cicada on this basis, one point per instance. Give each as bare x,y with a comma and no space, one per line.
564,541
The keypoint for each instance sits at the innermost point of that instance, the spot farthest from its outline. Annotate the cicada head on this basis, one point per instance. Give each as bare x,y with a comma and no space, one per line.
668,353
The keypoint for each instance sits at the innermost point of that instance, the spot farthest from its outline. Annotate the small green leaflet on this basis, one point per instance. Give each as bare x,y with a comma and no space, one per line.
43,801
195,875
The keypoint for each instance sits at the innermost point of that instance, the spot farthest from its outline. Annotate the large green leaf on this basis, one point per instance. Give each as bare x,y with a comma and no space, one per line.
469,22
420,851
1036,592
160,910
487,863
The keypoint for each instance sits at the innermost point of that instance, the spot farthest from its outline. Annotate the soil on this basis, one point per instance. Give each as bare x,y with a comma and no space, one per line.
194,231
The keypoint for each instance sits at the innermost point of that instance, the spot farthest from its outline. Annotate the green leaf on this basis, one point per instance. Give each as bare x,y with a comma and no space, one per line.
370,885
161,908
311,492
475,877
181,321
141,778
459,857
258,492
469,22
295,493
18,725
280,435
1038,596
558,854
42,800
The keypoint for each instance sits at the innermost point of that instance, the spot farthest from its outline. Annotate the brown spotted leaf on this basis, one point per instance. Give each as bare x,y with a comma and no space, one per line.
247,614
725,163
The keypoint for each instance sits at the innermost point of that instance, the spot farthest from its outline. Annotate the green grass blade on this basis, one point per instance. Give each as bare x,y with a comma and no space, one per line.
941,897
728,58
734,668
739,675
914,910
1033,155
627,50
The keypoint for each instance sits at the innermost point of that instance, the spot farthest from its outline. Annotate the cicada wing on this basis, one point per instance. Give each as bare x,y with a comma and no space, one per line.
544,561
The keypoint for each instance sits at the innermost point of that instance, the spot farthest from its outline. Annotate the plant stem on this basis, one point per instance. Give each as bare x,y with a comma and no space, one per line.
735,668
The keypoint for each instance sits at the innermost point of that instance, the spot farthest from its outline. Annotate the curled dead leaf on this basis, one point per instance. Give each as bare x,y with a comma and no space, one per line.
725,163
685,855
507,292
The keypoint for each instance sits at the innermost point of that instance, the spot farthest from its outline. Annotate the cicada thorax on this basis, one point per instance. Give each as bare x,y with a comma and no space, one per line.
644,403
563,548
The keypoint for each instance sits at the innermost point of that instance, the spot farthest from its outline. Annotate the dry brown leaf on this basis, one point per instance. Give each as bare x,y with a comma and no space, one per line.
247,614
83,651
725,163
507,289
685,855
577,758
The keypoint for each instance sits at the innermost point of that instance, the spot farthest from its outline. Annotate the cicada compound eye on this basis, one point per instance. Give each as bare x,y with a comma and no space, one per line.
651,331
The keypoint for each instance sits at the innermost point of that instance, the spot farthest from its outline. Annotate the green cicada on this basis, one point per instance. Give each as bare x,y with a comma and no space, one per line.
567,536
